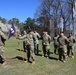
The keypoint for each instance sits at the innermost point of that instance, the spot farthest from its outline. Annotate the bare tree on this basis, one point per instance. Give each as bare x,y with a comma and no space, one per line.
53,8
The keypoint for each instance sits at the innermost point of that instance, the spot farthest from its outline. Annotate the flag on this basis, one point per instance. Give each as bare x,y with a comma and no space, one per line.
11,31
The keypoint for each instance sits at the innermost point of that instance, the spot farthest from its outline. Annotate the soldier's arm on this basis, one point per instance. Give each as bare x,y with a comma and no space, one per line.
74,40
49,38
66,40
22,37
34,37
3,35
38,35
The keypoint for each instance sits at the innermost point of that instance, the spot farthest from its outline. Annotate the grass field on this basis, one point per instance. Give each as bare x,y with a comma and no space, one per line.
16,66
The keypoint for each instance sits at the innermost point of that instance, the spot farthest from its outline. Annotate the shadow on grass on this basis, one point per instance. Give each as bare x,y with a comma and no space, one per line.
20,50
51,52
53,58
19,58
38,54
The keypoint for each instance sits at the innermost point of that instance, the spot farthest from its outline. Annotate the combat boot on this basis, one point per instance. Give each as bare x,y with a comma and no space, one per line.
26,61
64,61
4,63
33,62
72,56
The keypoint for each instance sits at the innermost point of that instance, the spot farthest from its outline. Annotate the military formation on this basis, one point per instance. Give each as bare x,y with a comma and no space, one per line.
63,46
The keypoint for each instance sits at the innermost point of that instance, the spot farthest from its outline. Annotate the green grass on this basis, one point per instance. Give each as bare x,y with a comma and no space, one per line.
43,65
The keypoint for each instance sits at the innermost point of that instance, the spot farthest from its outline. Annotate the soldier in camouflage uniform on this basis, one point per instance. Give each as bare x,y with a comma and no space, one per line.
56,44
70,46
2,43
46,39
30,37
24,41
36,42
62,47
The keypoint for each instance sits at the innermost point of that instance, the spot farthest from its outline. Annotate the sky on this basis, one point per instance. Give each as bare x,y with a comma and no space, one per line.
21,9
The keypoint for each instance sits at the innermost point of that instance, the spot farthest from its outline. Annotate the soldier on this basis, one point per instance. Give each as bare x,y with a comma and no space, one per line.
62,47
70,46
56,44
24,42
46,39
36,42
2,43
30,37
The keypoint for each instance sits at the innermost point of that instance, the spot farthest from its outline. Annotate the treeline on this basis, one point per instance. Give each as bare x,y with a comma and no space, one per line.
48,10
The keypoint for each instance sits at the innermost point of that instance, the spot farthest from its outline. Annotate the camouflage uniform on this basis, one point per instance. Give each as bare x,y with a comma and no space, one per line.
24,42
62,47
70,46
30,45
46,39
56,44
2,43
36,42
30,37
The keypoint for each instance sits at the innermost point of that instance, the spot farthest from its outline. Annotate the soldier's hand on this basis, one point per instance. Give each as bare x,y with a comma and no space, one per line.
17,38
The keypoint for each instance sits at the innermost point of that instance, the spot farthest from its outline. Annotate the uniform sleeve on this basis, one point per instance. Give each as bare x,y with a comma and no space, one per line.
38,35
53,38
74,40
49,37
23,37
66,39
2,35
34,37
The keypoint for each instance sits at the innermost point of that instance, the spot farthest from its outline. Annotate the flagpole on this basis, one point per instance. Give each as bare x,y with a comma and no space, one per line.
12,32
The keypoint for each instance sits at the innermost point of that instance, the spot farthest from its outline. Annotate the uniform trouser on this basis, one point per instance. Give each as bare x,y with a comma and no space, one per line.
36,50
24,46
55,48
46,50
70,49
2,57
62,54
30,53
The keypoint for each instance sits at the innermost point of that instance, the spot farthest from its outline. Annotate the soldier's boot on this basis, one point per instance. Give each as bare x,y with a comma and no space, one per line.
26,61
64,61
72,56
54,51
47,56
4,63
33,62
48,53
59,60
42,55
